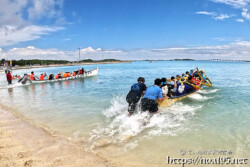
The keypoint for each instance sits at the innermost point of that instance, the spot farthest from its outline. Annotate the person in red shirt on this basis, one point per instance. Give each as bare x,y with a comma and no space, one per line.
42,76
9,77
32,76
196,81
80,72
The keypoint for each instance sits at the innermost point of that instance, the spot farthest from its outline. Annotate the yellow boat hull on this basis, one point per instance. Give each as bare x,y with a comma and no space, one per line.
169,101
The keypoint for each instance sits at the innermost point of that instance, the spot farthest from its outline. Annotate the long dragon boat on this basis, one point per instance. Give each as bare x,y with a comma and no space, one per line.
168,101
85,74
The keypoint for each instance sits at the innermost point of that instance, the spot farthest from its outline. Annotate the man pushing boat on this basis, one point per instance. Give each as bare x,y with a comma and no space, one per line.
152,94
134,95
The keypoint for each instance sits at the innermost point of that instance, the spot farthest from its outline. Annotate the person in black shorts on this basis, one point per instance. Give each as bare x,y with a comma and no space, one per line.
134,95
148,102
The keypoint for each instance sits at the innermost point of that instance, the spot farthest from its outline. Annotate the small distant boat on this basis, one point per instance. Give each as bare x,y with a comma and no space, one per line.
93,72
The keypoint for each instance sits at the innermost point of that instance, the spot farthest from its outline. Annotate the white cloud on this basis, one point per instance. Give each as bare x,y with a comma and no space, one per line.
245,14
235,51
10,35
66,39
206,13
11,12
222,17
234,3
15,27
240,20
214,15
48,8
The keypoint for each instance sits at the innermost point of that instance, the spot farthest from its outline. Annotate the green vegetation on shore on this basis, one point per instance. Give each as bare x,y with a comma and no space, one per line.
105,60
32,62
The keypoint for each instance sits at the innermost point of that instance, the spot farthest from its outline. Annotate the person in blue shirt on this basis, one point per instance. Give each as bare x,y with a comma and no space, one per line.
148,102
134,95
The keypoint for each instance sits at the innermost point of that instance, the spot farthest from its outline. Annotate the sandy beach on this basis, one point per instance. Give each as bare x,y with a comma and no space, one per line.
22,144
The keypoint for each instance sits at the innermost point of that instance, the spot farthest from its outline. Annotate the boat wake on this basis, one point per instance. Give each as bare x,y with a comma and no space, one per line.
120,129
13,85
208,91
203,95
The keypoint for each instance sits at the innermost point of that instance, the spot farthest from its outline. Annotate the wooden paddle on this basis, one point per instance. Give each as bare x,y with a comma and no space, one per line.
197,87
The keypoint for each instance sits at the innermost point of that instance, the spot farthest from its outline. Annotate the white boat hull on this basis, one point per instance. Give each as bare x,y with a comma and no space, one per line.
93,72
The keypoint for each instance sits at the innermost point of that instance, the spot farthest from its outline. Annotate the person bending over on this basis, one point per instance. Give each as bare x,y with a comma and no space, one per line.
148,102
134,95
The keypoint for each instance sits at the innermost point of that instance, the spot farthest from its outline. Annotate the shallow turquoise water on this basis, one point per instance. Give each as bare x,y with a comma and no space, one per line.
94,109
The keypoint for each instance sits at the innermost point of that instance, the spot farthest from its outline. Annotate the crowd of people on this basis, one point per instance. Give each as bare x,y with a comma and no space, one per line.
176,86
43,76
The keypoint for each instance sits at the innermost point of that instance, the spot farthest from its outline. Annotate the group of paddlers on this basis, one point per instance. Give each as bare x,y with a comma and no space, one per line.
177,86
32,76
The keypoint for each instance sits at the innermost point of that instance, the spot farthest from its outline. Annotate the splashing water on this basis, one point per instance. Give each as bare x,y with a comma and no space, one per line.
15,85
199,97
208,91
122,129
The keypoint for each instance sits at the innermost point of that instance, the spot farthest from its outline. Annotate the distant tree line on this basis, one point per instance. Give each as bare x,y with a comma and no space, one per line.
105,60
35,62
49,62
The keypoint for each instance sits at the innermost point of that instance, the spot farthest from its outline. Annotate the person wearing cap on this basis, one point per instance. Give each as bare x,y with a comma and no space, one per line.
135,93
9,77
202,72
182,88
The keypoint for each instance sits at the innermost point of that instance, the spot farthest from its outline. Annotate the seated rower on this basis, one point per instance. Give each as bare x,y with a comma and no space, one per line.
163,82
57,76
172,86
203,75
135,93
80,72
24,79
65,75
182,88
196,81
74,73
187,74
51,76
42,76
32,76
153,93
164,86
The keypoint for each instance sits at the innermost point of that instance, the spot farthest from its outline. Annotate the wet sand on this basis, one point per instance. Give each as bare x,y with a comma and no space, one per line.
22,144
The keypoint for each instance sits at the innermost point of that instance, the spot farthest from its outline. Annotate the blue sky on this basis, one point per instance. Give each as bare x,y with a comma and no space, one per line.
125,29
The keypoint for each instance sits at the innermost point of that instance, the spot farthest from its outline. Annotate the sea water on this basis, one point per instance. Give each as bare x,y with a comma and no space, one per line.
93,110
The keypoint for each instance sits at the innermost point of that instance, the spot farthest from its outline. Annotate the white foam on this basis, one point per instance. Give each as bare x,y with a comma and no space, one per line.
199,97
208,91
123,129
14,85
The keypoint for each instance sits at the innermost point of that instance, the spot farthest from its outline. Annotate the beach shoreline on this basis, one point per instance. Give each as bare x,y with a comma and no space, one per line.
22,144
69,64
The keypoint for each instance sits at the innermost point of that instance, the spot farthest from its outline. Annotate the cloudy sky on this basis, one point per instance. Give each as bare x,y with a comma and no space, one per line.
125,29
